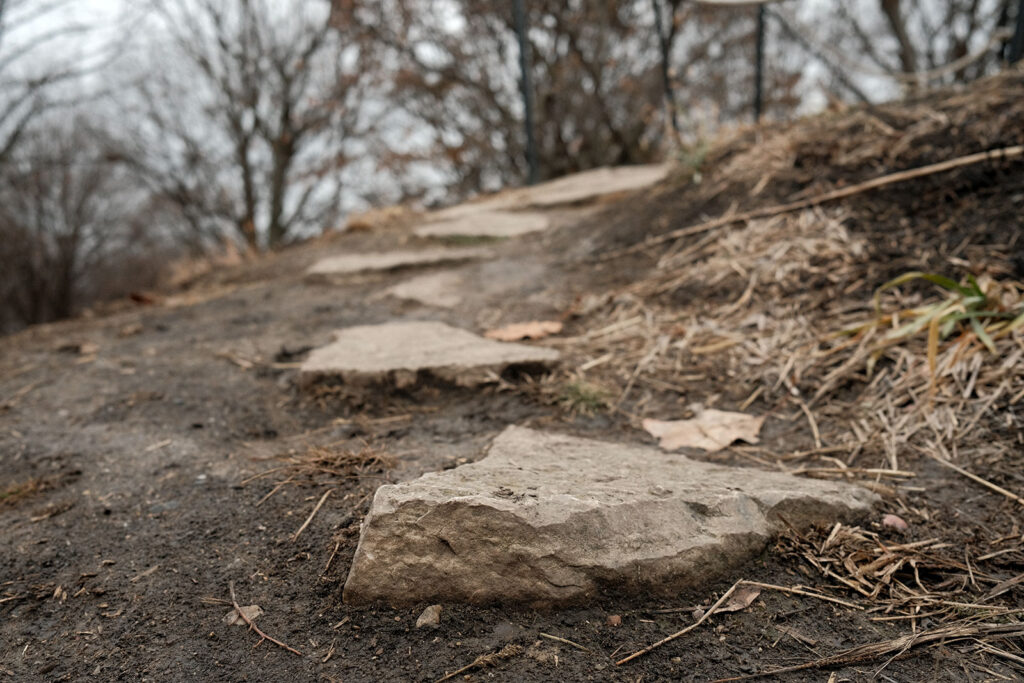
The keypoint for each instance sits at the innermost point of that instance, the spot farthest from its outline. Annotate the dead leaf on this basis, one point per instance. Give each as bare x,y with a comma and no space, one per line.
536,329
252,612
712,430
741,599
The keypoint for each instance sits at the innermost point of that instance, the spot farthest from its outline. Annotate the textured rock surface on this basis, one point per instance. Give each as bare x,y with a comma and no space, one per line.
496,224
443,290
570,189
550,519
398,352
592,184
349,264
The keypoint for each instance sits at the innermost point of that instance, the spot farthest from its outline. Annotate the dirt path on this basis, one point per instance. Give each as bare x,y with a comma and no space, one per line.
129,444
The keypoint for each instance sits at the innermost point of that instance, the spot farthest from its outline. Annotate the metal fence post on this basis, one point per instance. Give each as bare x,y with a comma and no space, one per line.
759,66
1017,43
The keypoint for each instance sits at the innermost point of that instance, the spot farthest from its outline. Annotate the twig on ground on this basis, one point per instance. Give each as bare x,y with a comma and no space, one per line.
263,636
894,647
805,593
563,640
312,514
976,478
486,660
841,193
686,630
330,560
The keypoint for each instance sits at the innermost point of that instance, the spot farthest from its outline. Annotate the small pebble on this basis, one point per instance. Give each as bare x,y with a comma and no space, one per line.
430,618
895,522
613,620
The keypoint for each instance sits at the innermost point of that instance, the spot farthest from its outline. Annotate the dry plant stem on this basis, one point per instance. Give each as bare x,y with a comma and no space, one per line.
563,640
894,648
312,514
721,600
504,653
686,630
254,627
973,477
798,591
842,193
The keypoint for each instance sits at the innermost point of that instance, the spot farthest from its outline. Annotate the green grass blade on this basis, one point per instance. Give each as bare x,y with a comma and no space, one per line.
934,278
979,330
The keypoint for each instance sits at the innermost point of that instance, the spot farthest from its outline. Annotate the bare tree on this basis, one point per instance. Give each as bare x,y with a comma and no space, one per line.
918,43
603,74
67,212
27,80
455,73
254,115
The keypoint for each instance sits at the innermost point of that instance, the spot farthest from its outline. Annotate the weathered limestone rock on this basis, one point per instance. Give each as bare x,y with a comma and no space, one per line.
350,264
443,290
592,184
398,352
497,224
549,519
570,189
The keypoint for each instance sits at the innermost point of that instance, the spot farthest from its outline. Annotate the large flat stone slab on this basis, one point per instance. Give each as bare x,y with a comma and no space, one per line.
400,352
570,189
443,290
589,185
350,264
494,224
547,519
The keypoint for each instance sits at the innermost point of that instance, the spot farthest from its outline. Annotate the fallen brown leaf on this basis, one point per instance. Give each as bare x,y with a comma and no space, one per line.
251,612
741,599
712,430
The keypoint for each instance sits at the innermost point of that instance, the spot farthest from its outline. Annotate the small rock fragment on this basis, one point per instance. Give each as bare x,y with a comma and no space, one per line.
430,617
895,522
613,620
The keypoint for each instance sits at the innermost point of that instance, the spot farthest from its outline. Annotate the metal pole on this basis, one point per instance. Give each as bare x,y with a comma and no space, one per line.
759,66
666,80
1017,43
526,85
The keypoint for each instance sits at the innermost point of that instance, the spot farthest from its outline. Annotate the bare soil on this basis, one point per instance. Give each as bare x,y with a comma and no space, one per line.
154,455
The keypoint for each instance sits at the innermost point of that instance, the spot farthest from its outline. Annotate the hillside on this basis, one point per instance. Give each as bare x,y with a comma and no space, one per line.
165,458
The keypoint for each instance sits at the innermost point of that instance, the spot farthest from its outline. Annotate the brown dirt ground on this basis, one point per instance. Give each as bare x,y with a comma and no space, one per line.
129,440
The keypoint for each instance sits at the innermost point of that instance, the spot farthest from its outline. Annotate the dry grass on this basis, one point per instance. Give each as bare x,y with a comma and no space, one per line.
15,493
744,316
325,465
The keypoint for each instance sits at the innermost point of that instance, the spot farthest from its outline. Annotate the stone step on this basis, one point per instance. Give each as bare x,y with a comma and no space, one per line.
352,264
400,352
547,519
495,224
